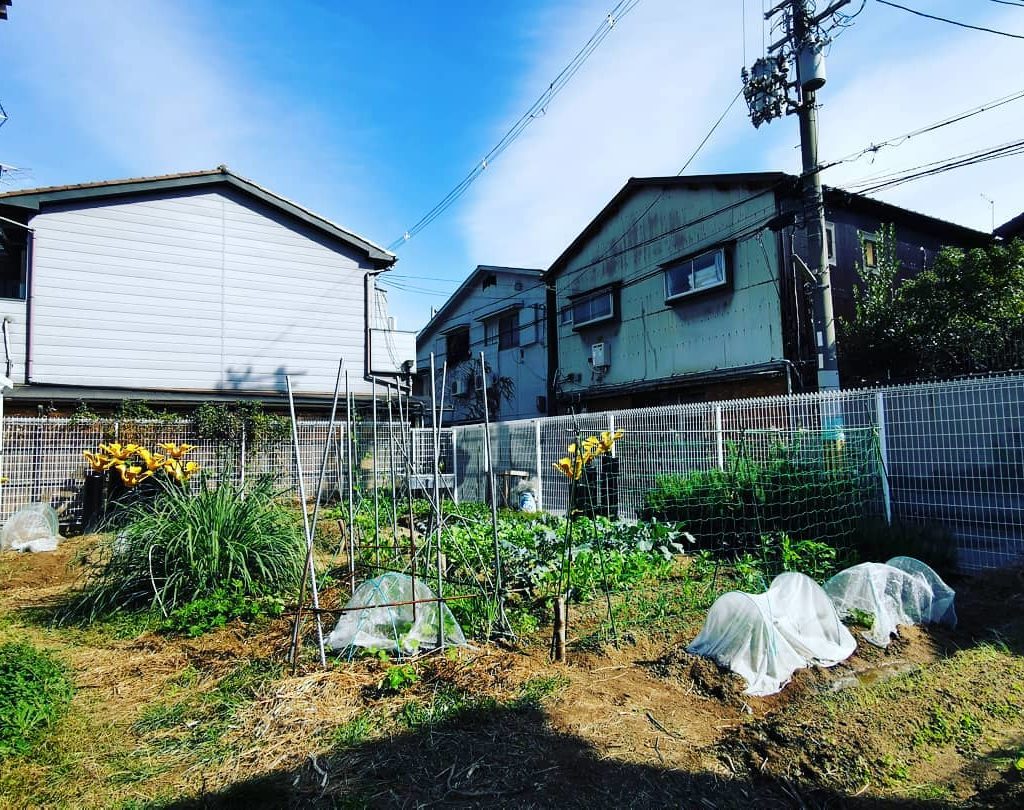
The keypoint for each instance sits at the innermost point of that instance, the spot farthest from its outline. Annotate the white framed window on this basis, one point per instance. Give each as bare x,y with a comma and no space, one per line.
694,275
593,308
830,243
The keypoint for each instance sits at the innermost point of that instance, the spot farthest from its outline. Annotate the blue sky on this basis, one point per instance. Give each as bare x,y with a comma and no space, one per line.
370,112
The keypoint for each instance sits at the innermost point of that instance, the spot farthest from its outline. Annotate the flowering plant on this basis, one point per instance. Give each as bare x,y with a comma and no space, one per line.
580,455
135,463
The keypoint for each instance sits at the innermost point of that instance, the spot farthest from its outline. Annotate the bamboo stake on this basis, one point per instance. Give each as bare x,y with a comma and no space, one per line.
309,569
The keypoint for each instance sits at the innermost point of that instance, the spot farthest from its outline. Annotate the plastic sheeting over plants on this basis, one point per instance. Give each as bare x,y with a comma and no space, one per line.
379,616
766,637
884,595
32,528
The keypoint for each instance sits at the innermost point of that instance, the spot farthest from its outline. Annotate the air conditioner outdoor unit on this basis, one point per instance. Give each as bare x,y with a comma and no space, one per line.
460,387
598,355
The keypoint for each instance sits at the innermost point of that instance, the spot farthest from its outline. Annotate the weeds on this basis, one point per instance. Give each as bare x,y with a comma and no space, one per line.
35,692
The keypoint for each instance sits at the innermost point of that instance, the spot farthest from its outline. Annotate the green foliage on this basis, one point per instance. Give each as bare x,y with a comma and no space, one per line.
226,603
35,692
962,315
137,410
802,484
186,545
817,560
225,424
397,678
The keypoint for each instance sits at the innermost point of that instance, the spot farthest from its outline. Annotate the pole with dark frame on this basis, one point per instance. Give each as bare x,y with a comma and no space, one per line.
766,89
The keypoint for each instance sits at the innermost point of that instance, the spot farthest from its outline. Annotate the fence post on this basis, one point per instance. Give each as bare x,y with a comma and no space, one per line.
540,469
241,460
883,452
719,438
455,468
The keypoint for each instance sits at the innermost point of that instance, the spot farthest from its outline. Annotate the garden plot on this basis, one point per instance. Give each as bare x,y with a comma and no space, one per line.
159,718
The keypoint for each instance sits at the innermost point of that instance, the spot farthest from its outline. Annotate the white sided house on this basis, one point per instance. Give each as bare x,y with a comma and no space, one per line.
186,287
500,312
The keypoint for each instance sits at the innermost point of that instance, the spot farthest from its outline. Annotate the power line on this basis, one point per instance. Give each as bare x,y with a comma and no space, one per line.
899,140
952,22
1009,3
882,182
536,110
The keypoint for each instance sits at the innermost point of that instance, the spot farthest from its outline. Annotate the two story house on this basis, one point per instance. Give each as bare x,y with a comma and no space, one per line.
499,311
185,288
690,288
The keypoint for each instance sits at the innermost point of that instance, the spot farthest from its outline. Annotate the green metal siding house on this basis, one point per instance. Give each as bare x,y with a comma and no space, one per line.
686,289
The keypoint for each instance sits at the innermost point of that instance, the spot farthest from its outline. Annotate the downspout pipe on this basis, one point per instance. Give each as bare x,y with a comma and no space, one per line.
369,301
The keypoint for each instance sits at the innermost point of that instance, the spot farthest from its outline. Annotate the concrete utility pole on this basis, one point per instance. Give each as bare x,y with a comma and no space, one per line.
766,88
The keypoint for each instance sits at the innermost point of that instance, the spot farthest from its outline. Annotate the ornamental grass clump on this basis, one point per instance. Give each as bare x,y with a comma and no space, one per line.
184,544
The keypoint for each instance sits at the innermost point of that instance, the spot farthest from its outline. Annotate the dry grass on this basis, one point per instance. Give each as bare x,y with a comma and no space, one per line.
217,721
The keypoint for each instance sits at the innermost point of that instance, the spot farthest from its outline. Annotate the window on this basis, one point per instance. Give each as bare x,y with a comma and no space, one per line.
508,330
565,315
490,332
870,251
12,265
456,345
830,243
703,272
593,308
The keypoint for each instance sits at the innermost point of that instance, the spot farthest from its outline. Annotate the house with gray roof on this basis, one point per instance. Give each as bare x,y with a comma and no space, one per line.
500,312
185,288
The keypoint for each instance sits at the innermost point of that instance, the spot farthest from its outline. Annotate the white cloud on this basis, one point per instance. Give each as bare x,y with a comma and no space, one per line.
650,93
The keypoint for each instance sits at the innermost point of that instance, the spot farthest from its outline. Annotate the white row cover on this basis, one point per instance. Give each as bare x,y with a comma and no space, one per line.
901,591
766,637
796,623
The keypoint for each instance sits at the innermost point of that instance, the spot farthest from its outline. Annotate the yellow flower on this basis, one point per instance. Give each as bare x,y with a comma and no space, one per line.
176,450
133,475
119,452
192,467
570,468
97,461
153,461
609,439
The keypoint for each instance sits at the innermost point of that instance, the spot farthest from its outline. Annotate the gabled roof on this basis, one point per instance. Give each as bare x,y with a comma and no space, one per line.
784,182
1011,229
466,287
635,184
34,199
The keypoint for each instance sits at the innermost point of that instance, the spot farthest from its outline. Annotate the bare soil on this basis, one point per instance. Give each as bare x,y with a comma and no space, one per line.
934,720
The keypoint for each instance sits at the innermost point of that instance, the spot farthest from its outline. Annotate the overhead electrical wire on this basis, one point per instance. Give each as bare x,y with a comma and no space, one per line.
951,22
536,110
899,140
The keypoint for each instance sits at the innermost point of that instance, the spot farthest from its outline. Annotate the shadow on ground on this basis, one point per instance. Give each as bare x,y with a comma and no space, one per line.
509,758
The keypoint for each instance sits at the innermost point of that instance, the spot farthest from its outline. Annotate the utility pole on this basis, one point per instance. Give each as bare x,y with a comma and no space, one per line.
767,88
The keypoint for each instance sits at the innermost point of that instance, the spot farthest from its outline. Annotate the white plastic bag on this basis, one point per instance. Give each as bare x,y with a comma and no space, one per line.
32,528
368,622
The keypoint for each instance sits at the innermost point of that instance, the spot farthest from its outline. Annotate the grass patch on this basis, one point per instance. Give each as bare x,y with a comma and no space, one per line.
35,692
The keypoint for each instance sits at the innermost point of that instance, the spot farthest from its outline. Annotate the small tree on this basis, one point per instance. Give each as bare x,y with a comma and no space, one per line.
499,389
962,315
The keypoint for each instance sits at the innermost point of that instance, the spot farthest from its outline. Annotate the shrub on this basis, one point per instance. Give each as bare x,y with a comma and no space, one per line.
185,545
35,692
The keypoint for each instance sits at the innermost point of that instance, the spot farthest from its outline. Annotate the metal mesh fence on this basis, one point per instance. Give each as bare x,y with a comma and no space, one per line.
949,454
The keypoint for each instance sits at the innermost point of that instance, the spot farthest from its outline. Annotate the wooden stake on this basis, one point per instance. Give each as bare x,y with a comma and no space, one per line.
560,622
